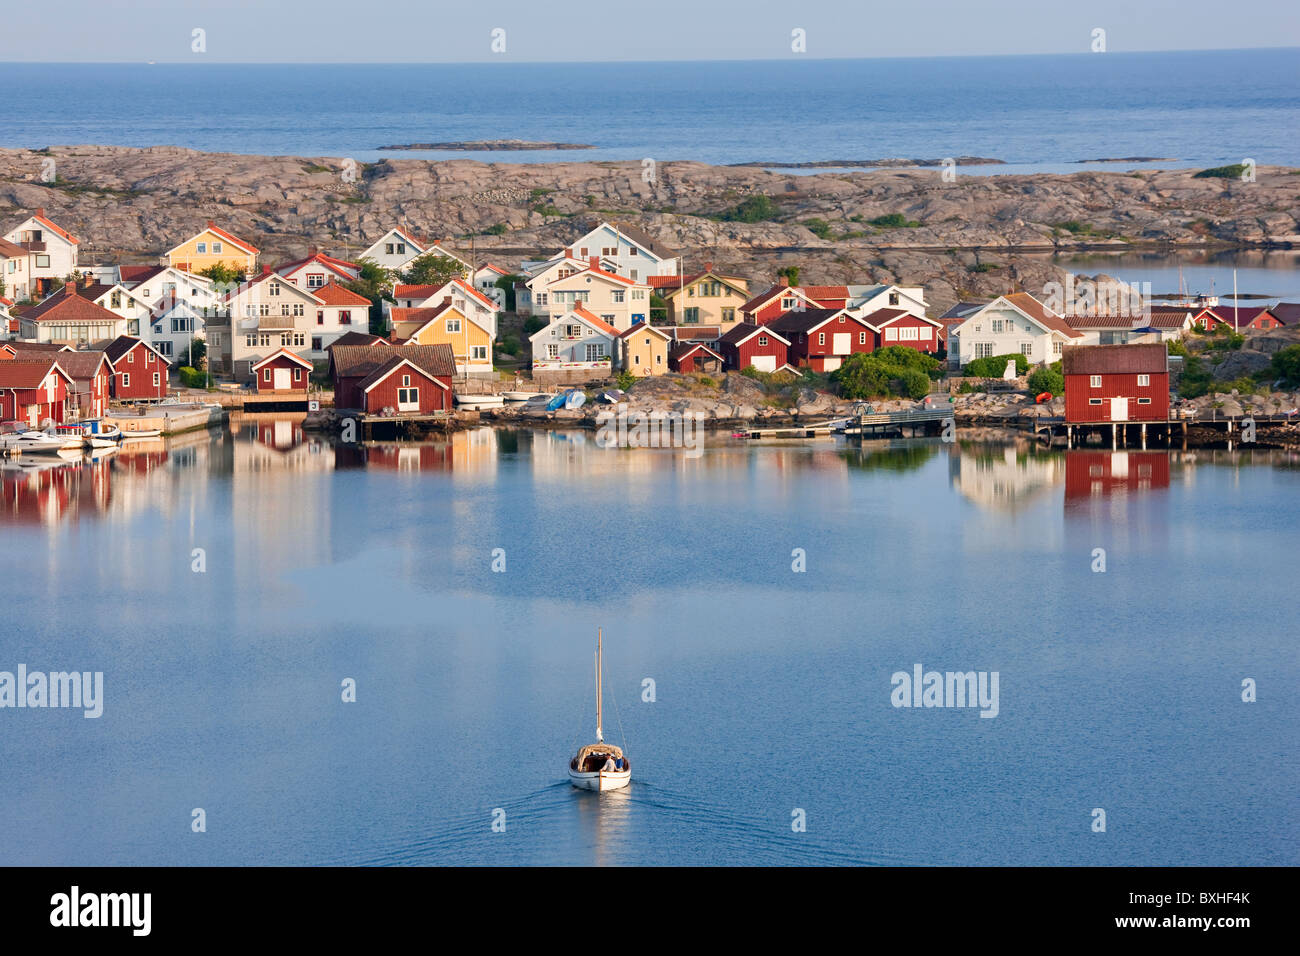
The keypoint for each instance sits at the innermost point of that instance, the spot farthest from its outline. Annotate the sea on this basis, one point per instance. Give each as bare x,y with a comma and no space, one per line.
316,653
1035,113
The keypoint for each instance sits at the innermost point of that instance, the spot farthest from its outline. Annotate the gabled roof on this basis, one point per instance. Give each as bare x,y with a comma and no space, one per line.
332,294
645,327
684,349
355,338
282,353
268,274
1288,313
123,344
809,320
134,274
1027,304
366,362
29,373
11,250
694,333
83,364
676,284
494,268
1241,314
963,310
776,291
825,293
222,234
1100,322
425,316
594,320
742,333
340,267
600,273
40,217
1115,359
641,239
70,306
426,292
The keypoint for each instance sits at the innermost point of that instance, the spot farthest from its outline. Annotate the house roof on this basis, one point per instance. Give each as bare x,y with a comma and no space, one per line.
1115,359
332,294
69,305
683,349
739,334
10,250
494,268
671,285
1168,317
83,364
1099,322
1244,314
693,333
883,317
645,327
40,217
355,338
372,363
1288,313
337,266
216,230
267,273
810,319
644,240
125,343
28,374
963,310
139,273
760,300
1040,313
282,353
823,293
594,320
429,291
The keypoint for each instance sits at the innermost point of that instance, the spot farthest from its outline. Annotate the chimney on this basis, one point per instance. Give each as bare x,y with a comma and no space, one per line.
594,261
266,270
212,224
783,281
312,251
446,300
568,252
40,211
708,267
69,288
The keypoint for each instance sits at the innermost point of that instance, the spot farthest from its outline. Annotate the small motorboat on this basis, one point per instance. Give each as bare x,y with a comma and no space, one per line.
522,396
472,402
600,766
35,442
94,432
140,433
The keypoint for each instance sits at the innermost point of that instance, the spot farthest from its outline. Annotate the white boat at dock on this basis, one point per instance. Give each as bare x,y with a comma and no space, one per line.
600,766
25,440
523,396
474,402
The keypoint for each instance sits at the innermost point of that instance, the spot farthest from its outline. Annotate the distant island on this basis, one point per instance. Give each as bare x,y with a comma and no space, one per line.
484,145
876,163
1130,159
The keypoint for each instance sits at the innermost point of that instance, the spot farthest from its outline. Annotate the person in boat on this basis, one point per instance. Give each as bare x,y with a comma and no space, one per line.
609,764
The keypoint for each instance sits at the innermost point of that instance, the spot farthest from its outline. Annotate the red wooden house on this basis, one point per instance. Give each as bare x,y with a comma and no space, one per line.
899,327
409,379
1240,317
823,338
767,307
33,391
747,344
686,357
91,387
282,371
1116,383
139,370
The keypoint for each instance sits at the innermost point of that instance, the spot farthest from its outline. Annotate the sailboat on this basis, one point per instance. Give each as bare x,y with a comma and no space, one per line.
600,766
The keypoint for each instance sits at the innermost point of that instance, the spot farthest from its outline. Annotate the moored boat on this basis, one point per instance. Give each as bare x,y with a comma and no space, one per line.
522,396
600,766
472,402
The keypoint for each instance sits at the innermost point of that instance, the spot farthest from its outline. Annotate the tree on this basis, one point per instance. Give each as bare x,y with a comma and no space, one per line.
1047,379
1286,365
222,274
196,352
373,282
433,268
791,273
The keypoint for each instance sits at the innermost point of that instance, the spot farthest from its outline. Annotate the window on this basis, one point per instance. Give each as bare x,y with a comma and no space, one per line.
401,248
216,248
893,298
315,281
1094,381
165,347
1144,381
284,339
762,341
1144,401
595,352
1056,348
126,379
983,349
1026,349
316,343
115,300
388,248
130,357
406,381
299,339
618,295
453,325
264,340
273,288
284,309
552,351
345,317
42,262
320,316
691,316
297,374
478,352
298,309
1094,401
201,248
908,333
155,379
408,397
266,376
728,315
891,334
250,341
862,338
821,338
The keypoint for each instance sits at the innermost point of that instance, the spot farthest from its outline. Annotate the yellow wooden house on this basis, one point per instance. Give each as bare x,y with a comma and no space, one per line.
445,324
211,247
643,350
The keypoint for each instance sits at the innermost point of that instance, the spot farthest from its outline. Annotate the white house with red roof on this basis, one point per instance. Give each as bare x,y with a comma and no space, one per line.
53,252
577,340
617,300
318,270
466,299
1011,324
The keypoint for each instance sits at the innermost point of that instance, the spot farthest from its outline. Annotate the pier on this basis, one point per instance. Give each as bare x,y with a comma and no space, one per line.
866,424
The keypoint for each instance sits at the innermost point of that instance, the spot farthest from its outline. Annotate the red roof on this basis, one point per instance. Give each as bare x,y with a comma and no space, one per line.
595,320
340,266
883,317
67,306
820,293
1115,359
247,247
332,294
645,327
40,217
429,291
138,273
1032,307
28,373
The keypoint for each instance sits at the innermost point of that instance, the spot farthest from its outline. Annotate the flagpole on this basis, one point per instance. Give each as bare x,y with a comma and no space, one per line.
1234,299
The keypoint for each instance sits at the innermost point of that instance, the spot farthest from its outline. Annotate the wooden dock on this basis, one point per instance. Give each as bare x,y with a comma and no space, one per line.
866,424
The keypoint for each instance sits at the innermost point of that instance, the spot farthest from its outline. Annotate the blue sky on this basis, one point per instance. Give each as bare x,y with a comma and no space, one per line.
323,31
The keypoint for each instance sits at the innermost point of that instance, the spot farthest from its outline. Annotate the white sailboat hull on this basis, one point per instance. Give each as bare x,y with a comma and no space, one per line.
600,780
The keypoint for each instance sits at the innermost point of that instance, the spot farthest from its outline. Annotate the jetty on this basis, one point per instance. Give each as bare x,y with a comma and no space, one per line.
866,424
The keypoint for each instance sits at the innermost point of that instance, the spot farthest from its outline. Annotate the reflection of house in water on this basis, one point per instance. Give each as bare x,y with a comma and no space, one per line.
1094,473
1004,478
467,454
41,490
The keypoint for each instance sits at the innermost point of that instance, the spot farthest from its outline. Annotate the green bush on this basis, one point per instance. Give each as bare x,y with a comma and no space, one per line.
625,380
895,220
1176,347
913,383
754,209
908,358
1044,379
1222,172
1196,378
818,227
994,365
534,324
1286,365
193,377
894,371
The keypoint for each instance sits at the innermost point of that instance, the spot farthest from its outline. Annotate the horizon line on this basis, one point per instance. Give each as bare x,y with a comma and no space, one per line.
498,58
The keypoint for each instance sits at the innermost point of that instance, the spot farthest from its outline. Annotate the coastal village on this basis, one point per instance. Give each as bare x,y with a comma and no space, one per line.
415,331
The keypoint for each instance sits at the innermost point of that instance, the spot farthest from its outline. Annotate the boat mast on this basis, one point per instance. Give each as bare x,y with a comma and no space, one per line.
600,739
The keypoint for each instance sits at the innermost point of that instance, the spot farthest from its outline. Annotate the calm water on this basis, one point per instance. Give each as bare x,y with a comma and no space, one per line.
1118,690
1034,112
